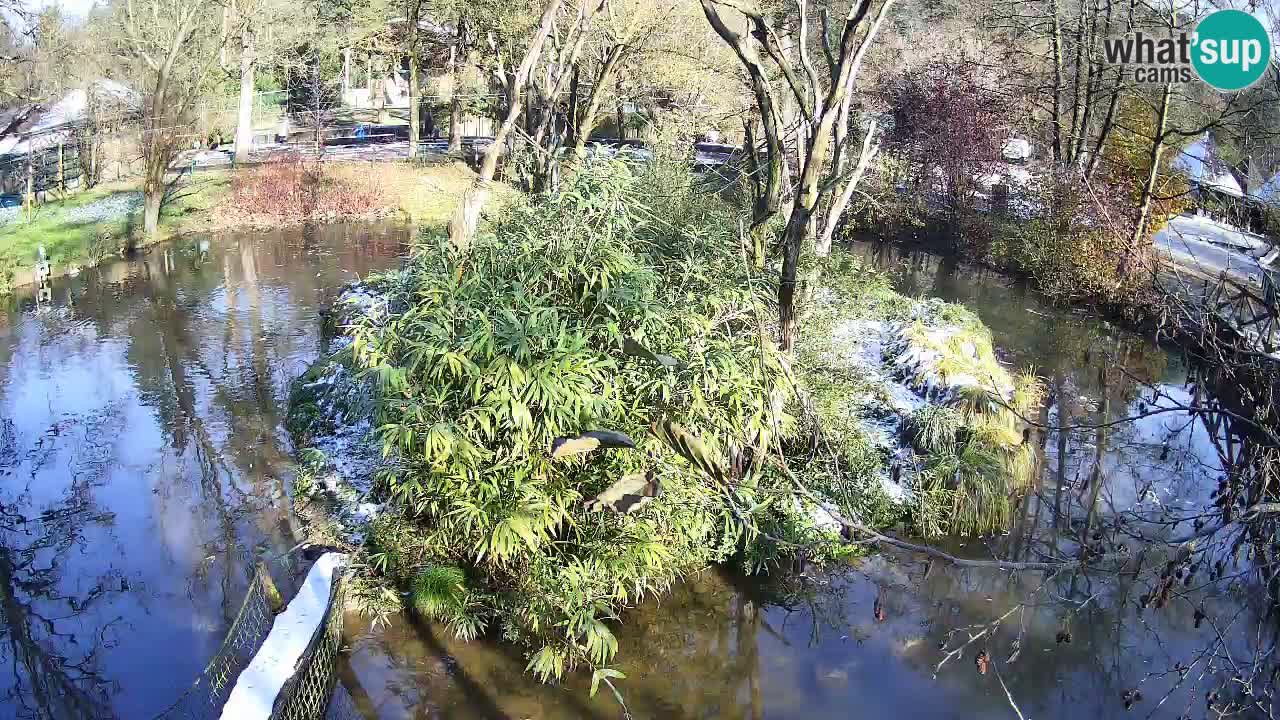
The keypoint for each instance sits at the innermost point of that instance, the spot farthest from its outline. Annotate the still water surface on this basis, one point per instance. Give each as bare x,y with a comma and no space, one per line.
143,461
144,465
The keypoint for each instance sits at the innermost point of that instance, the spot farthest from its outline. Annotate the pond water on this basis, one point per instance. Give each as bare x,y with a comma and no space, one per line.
143,463
143,466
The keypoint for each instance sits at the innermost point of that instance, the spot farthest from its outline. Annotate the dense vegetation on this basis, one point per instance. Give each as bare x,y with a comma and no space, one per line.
585,312
586,406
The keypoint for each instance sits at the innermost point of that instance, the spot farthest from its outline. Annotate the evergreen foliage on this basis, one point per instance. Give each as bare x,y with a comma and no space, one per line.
532,337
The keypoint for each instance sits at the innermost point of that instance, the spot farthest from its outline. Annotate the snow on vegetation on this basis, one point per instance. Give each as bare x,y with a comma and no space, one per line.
874,362
937,360
910,390
255,691
330,413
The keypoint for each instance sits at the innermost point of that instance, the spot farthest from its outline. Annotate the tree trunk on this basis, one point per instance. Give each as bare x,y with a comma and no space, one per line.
455,124
622,115
1055,40
571,121
455,99
415,108
587,122
1108,120
244,121
1093,79
1149,187
841,203
1077,97
152,197
158,149
415,127
767,203
792,242
466,219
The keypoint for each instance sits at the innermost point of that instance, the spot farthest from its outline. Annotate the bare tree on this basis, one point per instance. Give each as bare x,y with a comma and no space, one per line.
823,97
462,226
173,45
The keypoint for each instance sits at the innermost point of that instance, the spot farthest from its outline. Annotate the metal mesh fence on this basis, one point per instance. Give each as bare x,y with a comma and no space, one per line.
306,696
205,697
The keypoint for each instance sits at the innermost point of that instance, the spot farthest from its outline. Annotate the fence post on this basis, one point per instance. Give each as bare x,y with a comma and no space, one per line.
62,177
274,600
30,199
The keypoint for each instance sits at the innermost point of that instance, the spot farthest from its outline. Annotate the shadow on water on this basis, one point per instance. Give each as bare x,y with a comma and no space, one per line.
143,463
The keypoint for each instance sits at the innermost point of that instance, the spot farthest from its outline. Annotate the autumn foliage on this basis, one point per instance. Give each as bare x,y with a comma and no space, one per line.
949,126
297,190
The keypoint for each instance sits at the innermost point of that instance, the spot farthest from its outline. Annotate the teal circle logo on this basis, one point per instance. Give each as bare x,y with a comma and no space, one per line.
1231,50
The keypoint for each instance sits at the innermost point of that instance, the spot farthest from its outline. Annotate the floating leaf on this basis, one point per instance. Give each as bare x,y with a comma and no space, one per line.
627,494
691,448
588,441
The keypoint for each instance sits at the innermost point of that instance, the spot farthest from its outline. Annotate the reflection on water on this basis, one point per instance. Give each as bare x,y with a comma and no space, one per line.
142,464
724,646
143,461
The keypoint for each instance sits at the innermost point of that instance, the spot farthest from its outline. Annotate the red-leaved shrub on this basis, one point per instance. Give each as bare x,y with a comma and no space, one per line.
296,189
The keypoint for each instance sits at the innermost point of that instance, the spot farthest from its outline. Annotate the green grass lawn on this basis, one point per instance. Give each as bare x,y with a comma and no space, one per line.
71,229
58,227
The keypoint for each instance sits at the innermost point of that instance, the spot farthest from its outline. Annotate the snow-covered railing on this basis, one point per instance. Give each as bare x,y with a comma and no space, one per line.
291,675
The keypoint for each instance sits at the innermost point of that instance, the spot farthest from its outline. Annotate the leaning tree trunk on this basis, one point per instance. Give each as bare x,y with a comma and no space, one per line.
466,219
814,160
244,121
768,202
1149,186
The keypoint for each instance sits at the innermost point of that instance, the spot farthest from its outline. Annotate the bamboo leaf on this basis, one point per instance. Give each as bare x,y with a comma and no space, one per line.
691,448
604,674
633,348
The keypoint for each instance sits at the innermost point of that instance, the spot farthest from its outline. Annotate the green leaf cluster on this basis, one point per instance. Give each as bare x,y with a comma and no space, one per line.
531,336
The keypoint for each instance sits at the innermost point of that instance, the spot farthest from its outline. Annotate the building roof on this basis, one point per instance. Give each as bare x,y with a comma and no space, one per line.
34,127
1203,167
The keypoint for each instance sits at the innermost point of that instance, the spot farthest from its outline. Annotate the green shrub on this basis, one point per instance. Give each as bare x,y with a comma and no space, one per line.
613,305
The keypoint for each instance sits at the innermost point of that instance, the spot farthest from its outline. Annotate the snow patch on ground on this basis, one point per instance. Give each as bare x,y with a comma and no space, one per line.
256,689
112,207
352,451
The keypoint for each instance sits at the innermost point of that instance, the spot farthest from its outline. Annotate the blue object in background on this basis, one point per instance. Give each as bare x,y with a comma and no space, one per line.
9,200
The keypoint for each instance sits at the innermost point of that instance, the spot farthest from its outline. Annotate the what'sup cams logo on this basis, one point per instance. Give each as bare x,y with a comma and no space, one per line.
1229,50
